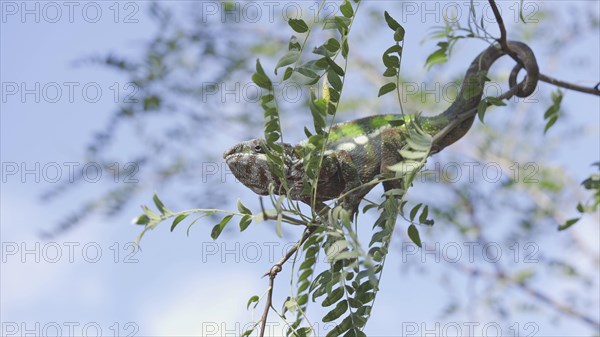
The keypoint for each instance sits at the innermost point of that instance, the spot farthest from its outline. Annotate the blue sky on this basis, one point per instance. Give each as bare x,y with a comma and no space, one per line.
87,279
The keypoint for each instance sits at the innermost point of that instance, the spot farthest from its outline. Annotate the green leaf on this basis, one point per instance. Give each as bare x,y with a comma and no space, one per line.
390,72
177,220
338,70
336,248
406,166
481,108
413,155
287,59
550,123
349,254
366,297
141,220
332,45
495,101
424,213
294,45
414,211
302,332
341,328
345,48
307,72
245,221
393,24
338,311
413,234
394,49
288,73
243,209
438,56
568,224
399,34
386,88
335,296
368,207
298,25
391,61
291,305
334,80
252,300
592,182
341,23
260,78
553,112
346,9
159,204
216,231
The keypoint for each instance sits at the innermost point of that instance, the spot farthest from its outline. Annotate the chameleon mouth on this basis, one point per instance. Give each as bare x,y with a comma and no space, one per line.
232,151
245,168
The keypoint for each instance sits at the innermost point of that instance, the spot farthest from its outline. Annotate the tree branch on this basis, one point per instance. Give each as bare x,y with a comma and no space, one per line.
571,86
501,275
503,41
277,267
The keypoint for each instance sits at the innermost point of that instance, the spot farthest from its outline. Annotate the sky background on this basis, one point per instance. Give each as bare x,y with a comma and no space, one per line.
87,280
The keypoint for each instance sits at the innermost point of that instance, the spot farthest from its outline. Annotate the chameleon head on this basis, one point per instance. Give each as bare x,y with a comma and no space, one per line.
248,163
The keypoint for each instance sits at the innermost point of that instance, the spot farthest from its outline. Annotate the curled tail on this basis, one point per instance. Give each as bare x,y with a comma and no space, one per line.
471,90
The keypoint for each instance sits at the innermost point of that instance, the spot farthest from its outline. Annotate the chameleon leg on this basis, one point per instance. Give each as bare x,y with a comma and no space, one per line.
352,182
392,141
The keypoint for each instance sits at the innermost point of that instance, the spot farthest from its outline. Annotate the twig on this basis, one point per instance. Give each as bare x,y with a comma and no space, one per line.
504,44
500,273
594,91
289,219
277,267
263,320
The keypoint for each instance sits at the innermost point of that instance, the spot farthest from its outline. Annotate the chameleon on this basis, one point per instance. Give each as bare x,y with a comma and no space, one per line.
361,150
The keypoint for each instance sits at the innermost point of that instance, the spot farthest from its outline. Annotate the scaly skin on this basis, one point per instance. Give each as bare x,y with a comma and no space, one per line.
361,150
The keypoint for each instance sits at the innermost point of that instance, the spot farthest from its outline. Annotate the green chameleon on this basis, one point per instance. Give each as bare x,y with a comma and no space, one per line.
361,150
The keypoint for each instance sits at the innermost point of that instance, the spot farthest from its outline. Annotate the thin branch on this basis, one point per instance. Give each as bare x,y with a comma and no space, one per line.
502,276
277,267
263,320
287,218
594,91
503,41
500,273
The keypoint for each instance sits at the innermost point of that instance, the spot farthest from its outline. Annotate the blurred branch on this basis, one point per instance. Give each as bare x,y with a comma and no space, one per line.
500,273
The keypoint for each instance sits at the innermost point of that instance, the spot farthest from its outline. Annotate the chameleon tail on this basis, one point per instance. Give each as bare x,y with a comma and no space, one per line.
471,91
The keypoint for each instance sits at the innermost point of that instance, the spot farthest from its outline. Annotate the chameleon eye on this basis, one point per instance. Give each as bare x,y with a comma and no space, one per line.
258,148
